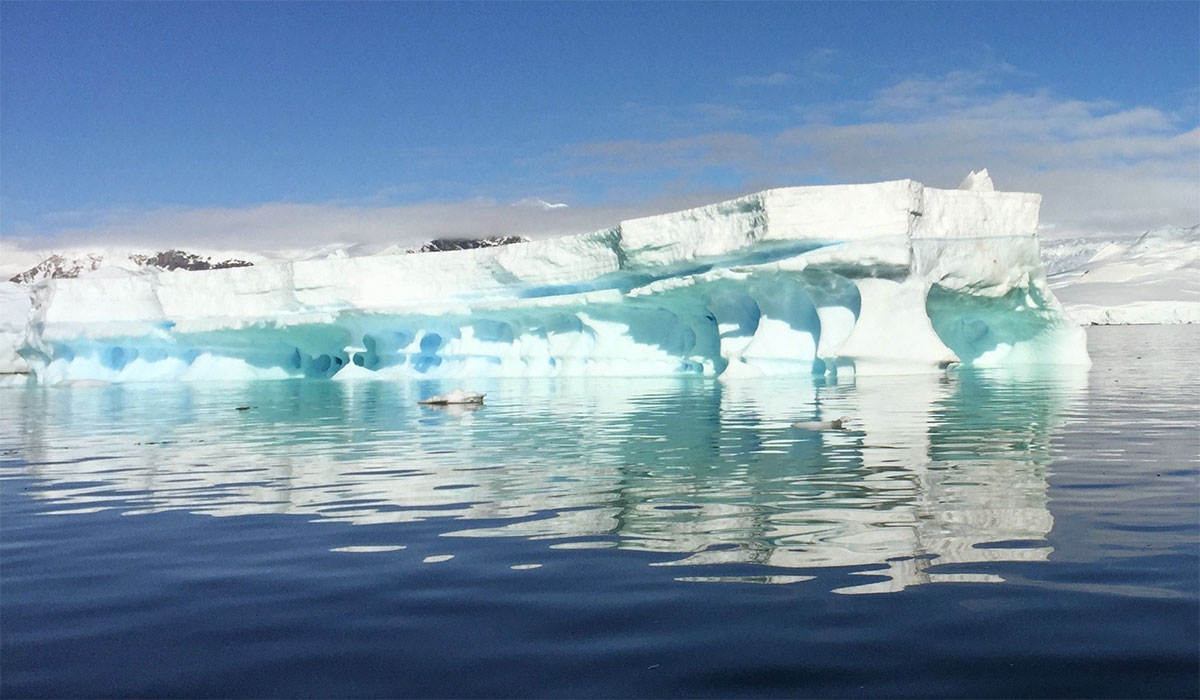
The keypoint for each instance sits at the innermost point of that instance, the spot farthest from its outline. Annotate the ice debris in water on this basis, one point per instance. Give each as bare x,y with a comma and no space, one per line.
835,424
456,396
891,277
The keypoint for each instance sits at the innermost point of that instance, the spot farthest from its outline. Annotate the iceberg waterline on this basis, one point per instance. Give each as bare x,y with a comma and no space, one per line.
892,277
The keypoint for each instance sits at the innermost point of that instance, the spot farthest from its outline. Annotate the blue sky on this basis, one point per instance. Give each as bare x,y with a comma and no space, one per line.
272,122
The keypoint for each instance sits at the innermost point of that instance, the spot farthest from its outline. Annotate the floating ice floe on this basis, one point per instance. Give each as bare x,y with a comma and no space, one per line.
454,397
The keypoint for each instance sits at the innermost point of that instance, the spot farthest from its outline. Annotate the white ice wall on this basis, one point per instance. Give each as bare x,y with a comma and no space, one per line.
14,311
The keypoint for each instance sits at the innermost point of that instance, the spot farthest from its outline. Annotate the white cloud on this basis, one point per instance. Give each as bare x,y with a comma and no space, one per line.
539,203
1102,167
955,89
1131,120
292,226
816,66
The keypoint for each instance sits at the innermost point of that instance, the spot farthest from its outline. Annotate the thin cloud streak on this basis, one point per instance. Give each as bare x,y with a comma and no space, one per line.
816,66
1102,168
299,226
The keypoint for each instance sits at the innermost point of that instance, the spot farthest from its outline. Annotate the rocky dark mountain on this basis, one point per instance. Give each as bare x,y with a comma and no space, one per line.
58,266
438,245
182,260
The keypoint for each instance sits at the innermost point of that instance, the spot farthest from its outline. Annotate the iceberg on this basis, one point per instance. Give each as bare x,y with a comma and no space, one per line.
884,278
14,310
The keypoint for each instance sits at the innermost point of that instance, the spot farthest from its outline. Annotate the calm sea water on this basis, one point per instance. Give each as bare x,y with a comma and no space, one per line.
970,534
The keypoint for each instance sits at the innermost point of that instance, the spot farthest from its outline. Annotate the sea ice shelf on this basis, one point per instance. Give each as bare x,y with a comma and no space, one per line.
891,277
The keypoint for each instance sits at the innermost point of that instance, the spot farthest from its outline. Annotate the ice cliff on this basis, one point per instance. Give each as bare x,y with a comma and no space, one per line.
890,277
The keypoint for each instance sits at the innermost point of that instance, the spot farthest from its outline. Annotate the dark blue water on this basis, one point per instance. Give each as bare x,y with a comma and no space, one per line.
977,535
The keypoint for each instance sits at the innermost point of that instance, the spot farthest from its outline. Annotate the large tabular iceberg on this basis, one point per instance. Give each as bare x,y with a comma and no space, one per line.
880,278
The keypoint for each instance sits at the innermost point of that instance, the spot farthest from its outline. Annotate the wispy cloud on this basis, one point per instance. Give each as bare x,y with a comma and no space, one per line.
285,226
951,90
818,66
777,78
1102,167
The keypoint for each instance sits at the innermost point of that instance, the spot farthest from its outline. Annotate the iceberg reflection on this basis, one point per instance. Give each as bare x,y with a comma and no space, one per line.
934,470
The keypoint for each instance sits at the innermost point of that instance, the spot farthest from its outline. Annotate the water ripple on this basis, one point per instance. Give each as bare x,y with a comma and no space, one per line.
951,469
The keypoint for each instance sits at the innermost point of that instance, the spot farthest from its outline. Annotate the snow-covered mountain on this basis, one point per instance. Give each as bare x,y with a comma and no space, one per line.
60,266
438,245
1148,279
72,264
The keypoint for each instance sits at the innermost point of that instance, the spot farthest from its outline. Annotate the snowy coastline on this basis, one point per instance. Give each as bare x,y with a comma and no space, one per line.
1149,279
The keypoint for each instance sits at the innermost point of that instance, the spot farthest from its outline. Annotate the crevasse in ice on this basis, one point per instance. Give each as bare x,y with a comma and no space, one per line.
890,277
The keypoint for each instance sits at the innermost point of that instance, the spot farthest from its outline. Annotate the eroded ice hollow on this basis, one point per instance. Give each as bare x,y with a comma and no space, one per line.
892,277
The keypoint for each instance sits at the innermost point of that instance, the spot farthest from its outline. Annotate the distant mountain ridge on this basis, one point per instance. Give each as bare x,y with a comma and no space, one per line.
180,260
439,245
60,265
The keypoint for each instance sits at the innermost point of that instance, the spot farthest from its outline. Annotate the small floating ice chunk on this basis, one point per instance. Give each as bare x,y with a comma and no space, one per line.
455,409
835,424
457,396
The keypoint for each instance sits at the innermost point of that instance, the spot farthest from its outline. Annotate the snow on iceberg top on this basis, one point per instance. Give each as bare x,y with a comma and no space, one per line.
977,182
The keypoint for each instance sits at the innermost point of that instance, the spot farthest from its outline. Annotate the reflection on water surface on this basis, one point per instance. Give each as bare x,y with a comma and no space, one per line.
933,470
599,538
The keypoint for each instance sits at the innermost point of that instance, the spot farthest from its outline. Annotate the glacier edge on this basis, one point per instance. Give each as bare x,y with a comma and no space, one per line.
889,277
